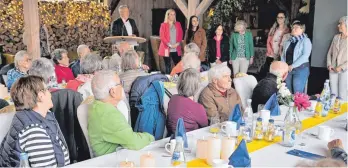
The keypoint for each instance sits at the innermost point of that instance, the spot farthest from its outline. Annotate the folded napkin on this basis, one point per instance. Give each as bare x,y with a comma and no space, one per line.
272,105
240,157
180,131
236,115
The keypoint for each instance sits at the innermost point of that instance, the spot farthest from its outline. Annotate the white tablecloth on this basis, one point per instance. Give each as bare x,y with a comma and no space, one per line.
270,156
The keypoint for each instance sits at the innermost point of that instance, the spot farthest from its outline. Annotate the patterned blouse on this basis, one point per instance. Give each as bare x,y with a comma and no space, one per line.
241,46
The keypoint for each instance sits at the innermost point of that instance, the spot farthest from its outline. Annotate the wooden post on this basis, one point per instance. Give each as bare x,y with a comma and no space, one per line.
32,27
193,8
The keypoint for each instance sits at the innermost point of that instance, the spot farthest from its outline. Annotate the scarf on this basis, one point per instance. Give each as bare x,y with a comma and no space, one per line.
295,39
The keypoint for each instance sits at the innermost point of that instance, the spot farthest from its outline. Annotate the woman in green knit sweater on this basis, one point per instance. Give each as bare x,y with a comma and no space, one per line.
241,48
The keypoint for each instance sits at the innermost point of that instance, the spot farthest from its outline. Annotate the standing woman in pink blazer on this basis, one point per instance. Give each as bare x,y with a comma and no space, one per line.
171,35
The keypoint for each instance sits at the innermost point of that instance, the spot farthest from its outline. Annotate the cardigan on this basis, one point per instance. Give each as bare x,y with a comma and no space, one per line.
165,38
224,48
249,45
270,52
108,129
193,114
200,39
337,53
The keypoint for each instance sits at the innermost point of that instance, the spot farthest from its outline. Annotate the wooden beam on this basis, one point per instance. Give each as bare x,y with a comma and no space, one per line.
192,4
203,6
32,27
183,7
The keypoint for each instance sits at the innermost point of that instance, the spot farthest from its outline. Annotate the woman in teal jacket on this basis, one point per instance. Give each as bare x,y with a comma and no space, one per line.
241,48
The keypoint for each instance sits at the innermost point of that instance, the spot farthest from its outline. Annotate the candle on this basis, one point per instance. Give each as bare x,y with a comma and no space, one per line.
227,147
213,149
201,151
147,160
127,163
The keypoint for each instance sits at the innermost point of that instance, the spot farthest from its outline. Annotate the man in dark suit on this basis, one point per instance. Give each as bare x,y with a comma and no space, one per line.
268,85
124,26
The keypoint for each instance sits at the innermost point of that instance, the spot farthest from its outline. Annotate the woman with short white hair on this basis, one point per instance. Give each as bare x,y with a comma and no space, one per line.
44,67
131,70
183,105
219,98
190,50
22,62
113,63
337,61
91,64
241,48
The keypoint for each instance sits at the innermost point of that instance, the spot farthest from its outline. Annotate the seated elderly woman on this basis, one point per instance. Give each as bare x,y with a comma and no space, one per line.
183,106
107,127
131,70
88,66
113,63
22,63
219,98
34,129
61,60
189,48
44,68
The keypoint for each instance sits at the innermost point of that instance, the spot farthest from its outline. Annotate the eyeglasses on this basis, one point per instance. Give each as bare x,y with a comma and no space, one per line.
280,17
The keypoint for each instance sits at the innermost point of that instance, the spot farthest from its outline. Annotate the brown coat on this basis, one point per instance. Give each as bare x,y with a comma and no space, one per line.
200,39
215,104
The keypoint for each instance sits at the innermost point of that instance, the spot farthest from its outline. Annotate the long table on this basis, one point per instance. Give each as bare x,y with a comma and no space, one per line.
273,155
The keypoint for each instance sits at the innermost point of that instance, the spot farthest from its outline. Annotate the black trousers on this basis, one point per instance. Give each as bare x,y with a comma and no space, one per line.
173,57
265,68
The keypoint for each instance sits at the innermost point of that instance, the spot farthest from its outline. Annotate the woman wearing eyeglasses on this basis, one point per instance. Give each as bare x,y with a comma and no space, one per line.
296,54
274,41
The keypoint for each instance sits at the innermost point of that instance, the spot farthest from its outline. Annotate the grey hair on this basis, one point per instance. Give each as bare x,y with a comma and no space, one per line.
192,47
91,63
129,60
240,23
42,67
191,60
19,57
112,63
276,72
57,55
188,83
122,6
217,71
80,48
299,23
101,84
344,20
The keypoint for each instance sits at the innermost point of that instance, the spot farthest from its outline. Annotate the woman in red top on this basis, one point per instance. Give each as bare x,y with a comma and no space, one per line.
61,60
171,35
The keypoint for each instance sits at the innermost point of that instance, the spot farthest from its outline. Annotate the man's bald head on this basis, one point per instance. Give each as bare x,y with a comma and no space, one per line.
279,68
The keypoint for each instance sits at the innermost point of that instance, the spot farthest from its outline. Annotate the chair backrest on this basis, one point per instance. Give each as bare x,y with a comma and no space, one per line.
82,116
5,124
244,87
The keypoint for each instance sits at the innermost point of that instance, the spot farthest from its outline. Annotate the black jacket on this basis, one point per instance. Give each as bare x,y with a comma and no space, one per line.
65,103
118,28
264,90
225,49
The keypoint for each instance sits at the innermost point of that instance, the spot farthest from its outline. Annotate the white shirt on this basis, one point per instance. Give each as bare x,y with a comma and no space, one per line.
128,28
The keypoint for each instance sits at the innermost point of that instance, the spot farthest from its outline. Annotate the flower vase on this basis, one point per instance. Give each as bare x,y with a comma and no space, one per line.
292,126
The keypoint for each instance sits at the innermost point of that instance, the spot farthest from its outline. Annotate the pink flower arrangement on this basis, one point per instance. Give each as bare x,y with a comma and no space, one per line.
301,101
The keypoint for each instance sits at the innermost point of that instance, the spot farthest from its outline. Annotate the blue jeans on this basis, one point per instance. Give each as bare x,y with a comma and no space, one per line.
297,78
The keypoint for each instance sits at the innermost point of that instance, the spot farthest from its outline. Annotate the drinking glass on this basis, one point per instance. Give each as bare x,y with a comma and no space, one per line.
214,125
260,107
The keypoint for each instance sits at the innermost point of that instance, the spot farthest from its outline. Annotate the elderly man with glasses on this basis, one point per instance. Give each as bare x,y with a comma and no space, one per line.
107,126
22,63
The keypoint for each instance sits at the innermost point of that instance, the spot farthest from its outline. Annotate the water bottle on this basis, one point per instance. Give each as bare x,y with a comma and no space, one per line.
248,113
178,157
325,98
23,160
289,133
